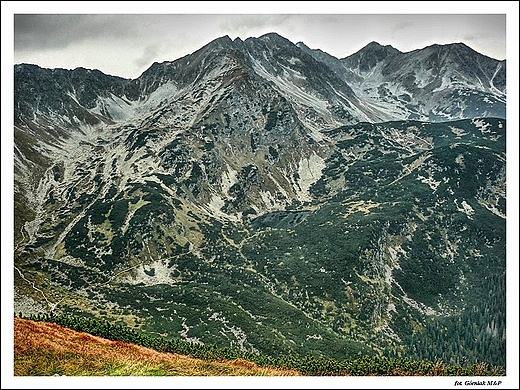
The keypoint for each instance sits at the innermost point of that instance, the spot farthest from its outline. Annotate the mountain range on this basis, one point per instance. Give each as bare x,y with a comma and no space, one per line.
266,196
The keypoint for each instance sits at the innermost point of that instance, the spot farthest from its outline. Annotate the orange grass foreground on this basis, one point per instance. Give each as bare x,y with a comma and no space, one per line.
46,349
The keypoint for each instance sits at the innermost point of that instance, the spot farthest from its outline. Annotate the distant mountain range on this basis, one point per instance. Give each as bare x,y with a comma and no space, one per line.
266,196
378,83
437,83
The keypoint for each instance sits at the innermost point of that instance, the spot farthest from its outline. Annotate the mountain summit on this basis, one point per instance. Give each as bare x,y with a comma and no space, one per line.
266,196
368,57
437,83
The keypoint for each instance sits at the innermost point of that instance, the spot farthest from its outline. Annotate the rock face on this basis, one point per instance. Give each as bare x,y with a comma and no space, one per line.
250,195
437,83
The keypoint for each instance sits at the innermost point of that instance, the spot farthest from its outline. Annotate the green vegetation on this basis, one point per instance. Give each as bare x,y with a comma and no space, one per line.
400,253
307,365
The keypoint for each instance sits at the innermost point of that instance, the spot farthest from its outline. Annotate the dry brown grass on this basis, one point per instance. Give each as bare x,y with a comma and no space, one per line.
42,348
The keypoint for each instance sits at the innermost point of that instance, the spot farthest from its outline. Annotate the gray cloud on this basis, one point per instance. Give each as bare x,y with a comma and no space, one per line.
242,25
402,25
59,31
150,53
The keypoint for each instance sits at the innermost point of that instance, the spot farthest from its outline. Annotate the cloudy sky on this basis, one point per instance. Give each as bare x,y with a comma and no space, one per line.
71,35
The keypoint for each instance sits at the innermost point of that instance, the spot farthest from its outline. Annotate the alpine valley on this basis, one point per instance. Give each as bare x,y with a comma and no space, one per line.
265,196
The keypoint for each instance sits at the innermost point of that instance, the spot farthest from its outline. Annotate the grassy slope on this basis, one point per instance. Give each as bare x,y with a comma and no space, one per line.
42,349
48,349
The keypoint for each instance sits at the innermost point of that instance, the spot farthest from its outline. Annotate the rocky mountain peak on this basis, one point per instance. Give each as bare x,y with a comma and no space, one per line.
274,38
369,56
223,42
376,46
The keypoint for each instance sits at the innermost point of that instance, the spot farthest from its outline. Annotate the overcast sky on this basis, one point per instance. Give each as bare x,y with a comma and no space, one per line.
71,35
